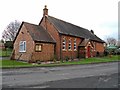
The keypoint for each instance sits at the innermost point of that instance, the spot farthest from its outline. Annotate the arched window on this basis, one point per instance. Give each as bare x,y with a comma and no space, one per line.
69,45
75,48
64,44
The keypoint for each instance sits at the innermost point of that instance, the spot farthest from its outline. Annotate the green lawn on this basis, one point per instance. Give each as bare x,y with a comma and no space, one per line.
95,60
15,64
5,53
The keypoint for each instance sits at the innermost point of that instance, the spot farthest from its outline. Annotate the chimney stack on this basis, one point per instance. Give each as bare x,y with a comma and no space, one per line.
45,11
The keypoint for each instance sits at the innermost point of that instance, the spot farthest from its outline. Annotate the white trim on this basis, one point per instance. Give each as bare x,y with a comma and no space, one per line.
69,45
64,44
75,47
22,46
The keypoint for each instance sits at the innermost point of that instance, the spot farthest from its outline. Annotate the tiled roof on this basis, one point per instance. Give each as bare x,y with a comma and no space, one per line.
70,29
84,42
38,33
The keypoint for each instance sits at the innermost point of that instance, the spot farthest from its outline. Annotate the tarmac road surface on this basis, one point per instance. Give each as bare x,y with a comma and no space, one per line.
104,75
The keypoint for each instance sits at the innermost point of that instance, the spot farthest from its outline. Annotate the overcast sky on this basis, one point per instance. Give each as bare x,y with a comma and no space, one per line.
98,15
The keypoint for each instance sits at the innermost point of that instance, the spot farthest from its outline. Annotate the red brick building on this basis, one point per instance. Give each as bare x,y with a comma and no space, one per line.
55,37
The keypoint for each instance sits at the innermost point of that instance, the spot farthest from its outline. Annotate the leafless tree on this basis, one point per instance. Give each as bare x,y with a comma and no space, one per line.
118,43
2,41
111,41
10,32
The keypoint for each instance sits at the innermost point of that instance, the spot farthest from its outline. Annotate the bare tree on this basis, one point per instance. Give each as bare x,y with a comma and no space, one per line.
118,43
111,41
10,32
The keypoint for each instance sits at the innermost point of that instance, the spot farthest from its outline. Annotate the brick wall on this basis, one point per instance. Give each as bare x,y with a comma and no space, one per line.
23,36
58,49
100,48
47,52
70,53
53,32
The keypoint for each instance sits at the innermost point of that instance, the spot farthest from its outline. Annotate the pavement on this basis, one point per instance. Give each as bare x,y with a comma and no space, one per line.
103,75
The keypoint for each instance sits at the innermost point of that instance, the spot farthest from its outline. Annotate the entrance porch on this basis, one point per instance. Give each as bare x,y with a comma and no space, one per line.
86,49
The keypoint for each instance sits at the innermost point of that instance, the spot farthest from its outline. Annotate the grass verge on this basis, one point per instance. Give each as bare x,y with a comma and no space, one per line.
17,64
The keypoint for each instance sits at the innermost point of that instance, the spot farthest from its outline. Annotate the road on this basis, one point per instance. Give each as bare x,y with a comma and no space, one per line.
104,75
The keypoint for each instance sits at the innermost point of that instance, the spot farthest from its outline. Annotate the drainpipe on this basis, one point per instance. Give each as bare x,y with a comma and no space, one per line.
60,46
54,49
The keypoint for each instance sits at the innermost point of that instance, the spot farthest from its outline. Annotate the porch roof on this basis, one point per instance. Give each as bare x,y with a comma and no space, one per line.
84,42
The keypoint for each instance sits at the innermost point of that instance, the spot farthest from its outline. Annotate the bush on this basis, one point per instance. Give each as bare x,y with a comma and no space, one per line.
61,60
9,44
97,54
106,53
117,51
66,58
38,61
54,58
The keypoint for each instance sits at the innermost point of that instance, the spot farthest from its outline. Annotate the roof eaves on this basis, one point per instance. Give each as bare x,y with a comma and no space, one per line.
72,35
43,41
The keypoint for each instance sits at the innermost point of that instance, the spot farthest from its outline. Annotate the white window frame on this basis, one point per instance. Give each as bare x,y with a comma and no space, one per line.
64,44
22,46
69,45
75,47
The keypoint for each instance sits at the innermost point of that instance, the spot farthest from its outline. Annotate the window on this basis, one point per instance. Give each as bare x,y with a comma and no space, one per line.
69,46
22,46
64,44
75,45
38,47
